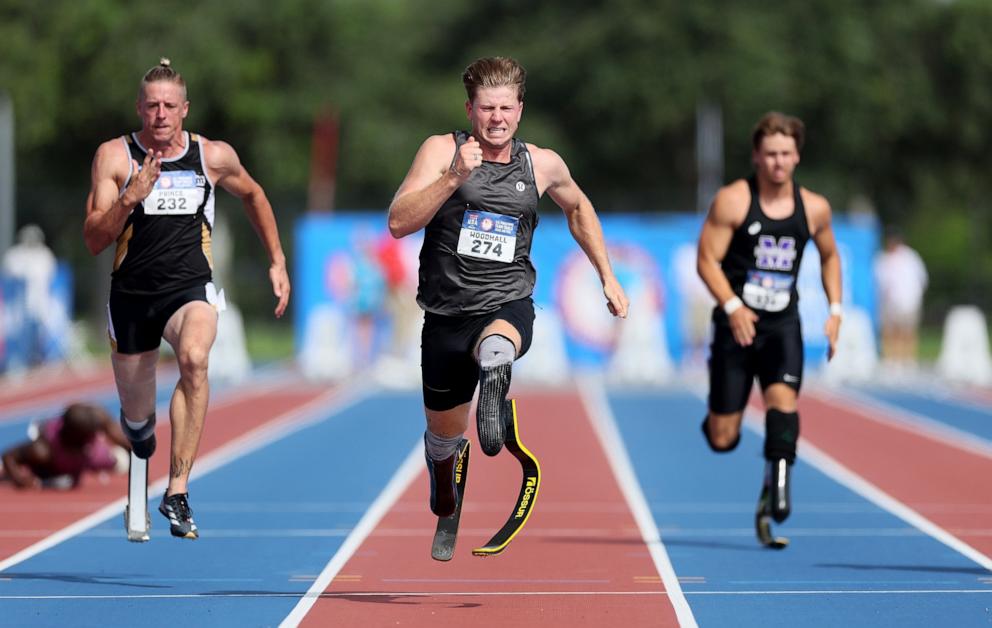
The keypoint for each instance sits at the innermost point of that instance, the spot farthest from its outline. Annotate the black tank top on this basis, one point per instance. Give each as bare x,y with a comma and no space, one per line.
476,251
762,263
165,243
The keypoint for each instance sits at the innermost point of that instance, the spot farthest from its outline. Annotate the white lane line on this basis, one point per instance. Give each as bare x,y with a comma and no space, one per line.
844,476
918,424
390,494
433,594
316,411
604,424
810,453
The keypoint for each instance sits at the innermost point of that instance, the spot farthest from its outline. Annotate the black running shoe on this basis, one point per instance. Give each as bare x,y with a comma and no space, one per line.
444,492
176,509
142,440
490,414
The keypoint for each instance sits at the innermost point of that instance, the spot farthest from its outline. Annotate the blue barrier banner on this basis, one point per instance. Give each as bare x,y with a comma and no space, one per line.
347,266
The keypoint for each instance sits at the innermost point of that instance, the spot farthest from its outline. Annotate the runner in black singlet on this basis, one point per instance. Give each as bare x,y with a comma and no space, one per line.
475,194
750,250
153,193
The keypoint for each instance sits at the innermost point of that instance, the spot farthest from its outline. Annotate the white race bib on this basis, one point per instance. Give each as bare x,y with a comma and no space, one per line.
488,236
767,291
176,192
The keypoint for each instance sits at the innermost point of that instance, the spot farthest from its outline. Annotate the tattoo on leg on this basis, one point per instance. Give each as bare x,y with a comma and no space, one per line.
180,467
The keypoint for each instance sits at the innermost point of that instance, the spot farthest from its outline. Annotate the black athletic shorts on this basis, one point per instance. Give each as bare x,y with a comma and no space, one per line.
447,364
775,356
135,323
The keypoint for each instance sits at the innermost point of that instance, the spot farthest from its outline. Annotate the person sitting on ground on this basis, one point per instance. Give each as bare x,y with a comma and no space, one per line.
83,438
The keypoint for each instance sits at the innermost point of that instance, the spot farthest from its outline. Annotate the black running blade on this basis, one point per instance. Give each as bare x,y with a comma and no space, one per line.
527,497
446,533
763,523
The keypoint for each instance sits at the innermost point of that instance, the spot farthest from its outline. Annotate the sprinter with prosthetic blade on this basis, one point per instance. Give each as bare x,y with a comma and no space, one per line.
475,195
749,254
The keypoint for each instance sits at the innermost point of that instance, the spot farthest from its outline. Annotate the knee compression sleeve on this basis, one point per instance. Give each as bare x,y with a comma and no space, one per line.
709,440
440,447
781,435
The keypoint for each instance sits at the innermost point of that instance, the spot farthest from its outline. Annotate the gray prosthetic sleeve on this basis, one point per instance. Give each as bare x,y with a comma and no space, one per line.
496,350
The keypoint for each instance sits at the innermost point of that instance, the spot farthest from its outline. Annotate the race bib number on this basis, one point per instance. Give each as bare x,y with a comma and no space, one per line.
488,236
767,291
176,192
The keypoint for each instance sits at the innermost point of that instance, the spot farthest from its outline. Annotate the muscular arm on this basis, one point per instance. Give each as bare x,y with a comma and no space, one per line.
725,215
714,241
427,185
223,163
582,222
823,238
106,208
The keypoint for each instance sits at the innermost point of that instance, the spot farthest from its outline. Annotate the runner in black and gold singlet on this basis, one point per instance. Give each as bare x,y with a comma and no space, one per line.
153,193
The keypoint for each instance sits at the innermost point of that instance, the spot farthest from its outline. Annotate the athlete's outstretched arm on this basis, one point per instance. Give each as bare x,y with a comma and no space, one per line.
582,222
106,208
823,238
433,177
724,216
223,163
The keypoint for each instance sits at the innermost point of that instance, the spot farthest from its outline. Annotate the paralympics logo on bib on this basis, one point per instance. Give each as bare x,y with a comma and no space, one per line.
486,235
177,192
767,289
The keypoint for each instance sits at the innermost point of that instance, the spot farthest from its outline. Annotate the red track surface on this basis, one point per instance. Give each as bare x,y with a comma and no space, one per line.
581,538
941,482
29,516
54,385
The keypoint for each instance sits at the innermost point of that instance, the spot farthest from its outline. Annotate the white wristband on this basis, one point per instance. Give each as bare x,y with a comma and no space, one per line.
836,309
732,305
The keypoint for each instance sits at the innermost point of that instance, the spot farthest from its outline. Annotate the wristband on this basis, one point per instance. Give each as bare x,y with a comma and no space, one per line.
732,305
836,309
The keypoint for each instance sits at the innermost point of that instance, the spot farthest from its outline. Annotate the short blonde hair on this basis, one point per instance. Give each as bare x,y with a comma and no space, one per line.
494,72
774,122
162,72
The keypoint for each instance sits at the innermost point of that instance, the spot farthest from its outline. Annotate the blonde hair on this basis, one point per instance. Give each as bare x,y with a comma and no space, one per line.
774,122
494,72
162,72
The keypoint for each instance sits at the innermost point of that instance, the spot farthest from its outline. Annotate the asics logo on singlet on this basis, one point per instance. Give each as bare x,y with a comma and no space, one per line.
771,254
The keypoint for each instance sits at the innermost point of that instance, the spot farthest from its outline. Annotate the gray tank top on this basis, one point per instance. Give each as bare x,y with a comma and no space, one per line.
476,251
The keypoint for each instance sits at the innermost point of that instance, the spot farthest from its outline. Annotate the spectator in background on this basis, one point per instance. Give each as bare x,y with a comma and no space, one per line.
901,278
84,438
33,263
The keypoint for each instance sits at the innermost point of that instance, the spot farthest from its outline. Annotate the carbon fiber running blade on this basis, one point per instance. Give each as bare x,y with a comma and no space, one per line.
446,533
763,523
529,486
136,520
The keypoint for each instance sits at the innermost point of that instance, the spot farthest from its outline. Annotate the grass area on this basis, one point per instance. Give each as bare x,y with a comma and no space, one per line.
269,341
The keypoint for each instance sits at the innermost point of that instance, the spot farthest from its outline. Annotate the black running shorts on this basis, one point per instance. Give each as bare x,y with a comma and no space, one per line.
775,356
447,364
135,323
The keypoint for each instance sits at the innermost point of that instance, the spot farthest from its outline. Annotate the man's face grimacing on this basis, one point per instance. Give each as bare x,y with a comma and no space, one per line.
776,158
162,108
495,114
